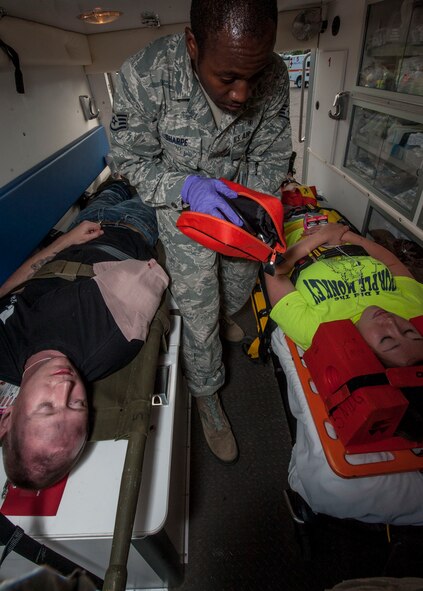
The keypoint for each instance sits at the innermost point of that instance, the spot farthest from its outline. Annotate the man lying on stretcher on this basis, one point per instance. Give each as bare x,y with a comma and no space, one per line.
59,331
375,291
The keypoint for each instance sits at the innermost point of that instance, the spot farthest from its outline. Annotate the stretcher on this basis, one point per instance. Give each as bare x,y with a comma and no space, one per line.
120,515
382,484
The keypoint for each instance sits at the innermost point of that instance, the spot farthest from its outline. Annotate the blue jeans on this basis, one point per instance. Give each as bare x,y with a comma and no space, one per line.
116,204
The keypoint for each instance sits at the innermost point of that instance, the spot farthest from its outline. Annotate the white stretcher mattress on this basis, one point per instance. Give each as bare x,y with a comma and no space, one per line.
391,498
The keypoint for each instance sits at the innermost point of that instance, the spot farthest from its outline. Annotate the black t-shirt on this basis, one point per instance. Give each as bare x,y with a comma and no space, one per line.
69,316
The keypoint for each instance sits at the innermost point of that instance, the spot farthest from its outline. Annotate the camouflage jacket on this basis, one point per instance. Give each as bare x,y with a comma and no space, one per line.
163,129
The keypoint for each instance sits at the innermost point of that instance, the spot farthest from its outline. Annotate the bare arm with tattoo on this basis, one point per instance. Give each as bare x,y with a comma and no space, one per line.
84,232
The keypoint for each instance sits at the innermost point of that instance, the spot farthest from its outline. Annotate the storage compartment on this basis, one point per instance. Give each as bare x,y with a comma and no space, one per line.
393,47
386,152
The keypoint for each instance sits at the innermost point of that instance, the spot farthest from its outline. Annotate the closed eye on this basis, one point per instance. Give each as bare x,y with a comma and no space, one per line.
412,333
45,408
391,344
388,344
78,404
254,79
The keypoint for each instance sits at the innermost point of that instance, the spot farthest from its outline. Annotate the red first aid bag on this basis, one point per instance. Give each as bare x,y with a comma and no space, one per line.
259,239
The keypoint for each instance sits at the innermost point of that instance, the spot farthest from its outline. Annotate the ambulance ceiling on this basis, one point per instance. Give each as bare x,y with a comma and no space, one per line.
63,13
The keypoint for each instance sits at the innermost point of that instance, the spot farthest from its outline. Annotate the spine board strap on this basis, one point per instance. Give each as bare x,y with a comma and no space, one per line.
15,539
351,250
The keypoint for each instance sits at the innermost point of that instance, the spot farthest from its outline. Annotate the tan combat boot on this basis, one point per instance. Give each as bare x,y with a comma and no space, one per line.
230,330
216,428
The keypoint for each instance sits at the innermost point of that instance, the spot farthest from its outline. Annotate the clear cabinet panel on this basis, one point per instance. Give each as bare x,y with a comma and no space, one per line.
393,50
387,152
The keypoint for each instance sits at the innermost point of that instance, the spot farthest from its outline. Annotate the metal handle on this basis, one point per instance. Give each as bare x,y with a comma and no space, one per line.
88,107
341,105
301,139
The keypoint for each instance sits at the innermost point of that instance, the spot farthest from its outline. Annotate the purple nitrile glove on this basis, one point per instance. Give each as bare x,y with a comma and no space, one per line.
205,196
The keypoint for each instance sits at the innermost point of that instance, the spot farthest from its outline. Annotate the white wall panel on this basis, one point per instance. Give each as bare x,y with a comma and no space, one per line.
42,45
330,147
46,118
338,191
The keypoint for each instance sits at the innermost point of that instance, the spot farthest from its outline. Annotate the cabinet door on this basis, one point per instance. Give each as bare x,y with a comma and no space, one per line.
332,66
386,152
393,50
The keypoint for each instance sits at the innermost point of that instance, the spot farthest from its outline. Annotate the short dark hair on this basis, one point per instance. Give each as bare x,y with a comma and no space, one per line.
36,472
209,17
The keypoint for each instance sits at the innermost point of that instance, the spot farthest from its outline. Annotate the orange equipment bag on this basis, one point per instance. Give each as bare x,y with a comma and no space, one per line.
259,239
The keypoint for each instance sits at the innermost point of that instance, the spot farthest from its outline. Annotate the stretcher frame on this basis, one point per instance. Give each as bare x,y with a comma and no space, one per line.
402,460
35,202
306,520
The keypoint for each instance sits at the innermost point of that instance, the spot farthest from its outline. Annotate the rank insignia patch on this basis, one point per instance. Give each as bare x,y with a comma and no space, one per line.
118,122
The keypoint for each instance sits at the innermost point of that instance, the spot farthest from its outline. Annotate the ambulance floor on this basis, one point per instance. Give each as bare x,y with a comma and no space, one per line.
241,536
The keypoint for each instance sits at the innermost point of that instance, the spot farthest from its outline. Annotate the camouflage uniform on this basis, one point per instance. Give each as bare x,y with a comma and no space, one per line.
162,131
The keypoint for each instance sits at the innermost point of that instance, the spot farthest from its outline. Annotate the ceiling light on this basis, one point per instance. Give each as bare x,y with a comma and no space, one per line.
98,16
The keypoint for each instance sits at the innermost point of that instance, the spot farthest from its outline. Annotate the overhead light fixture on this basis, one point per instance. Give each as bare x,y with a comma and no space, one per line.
98,16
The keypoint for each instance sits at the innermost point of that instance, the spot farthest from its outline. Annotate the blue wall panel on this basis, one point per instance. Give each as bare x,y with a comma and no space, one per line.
34,202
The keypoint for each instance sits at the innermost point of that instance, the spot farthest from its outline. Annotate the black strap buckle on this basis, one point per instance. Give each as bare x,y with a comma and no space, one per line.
351,250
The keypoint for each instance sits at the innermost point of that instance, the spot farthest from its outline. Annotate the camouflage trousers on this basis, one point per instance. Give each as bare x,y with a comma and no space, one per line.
205,285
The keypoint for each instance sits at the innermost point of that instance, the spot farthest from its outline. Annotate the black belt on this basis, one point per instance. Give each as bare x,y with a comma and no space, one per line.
351,250
115,252
123,225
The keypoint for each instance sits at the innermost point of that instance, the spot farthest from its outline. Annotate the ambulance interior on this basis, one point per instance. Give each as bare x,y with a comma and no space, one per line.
357,126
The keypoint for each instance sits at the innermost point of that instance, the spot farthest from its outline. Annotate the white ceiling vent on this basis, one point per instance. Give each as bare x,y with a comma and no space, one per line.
150,19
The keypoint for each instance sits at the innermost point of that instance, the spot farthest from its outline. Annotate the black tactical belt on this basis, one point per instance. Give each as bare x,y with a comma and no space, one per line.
320,253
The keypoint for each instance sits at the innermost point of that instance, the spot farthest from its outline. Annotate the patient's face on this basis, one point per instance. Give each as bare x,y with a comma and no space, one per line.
394,340
50,412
